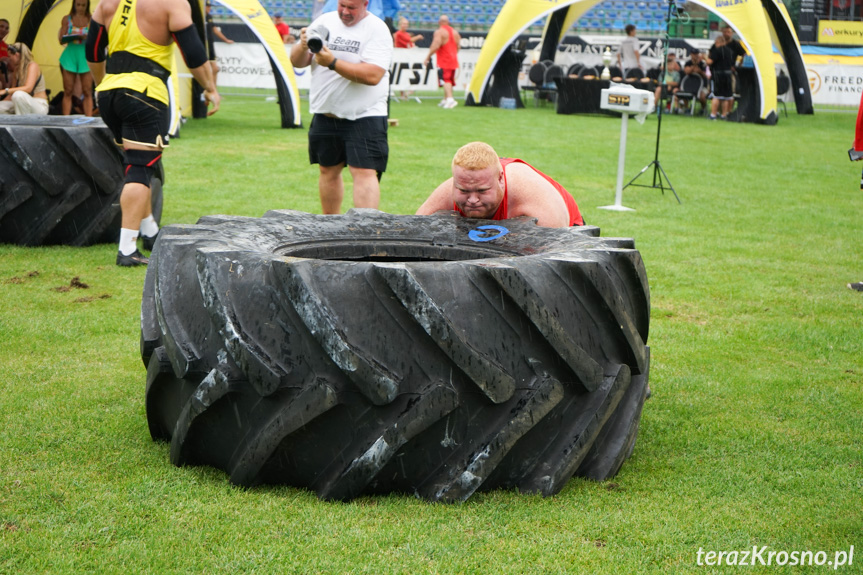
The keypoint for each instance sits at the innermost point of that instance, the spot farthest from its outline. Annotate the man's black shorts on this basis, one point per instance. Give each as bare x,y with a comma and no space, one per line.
358,143
135,117
723,87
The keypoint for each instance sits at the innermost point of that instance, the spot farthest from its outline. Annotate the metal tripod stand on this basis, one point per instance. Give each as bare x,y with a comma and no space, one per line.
658,172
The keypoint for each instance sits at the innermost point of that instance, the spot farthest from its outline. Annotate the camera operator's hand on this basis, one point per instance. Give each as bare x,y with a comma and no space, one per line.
324,57
304,39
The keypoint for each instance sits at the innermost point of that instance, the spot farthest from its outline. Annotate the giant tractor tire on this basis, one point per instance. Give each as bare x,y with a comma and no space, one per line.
371,353
60,181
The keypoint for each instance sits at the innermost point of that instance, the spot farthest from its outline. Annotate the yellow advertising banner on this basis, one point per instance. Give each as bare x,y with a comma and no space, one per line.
840,32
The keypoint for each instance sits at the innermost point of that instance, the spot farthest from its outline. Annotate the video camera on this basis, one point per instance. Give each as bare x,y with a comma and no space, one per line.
316,38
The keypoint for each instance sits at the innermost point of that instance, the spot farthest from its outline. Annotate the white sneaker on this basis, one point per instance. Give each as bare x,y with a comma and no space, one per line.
442,103
450,104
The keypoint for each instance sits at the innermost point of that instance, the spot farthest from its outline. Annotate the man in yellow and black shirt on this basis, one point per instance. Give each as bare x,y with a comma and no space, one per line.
129,51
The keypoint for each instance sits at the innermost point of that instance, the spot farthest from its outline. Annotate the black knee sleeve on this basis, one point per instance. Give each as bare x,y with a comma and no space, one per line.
140,165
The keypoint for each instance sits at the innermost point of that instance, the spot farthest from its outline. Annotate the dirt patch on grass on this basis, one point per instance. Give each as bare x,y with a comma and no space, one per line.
20,280
75,282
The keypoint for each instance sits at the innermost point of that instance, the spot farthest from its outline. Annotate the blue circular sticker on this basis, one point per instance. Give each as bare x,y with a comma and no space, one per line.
484,233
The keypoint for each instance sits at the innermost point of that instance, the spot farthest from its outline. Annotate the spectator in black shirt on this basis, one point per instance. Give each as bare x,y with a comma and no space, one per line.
720,58
733,43
696,66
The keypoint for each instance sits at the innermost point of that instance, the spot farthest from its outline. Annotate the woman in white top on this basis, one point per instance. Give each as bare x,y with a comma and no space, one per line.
26,92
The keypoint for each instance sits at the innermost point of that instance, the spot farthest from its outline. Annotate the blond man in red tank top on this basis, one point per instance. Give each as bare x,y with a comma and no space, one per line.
485,186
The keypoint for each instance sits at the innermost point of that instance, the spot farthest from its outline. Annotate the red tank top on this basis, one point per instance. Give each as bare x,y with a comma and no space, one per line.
575,218
446,54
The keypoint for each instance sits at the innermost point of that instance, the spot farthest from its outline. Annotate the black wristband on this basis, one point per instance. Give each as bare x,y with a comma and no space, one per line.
332,65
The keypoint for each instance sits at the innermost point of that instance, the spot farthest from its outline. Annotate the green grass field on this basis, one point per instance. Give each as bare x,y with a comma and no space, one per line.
752,436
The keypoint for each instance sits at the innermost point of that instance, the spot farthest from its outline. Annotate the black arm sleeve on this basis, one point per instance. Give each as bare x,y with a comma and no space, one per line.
191,46
97,43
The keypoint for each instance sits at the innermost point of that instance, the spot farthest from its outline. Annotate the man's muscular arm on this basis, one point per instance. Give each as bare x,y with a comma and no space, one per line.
531,195
300,55
179,20
440,199
97,38
439,39
359,72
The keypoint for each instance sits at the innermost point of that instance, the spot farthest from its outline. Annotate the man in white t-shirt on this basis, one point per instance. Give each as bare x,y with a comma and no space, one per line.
348,97
629,55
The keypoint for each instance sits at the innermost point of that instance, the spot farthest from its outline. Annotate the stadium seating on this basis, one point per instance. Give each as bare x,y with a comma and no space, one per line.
609,16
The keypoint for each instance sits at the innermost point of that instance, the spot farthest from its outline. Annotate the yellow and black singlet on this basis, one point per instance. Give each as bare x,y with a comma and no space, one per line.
134,62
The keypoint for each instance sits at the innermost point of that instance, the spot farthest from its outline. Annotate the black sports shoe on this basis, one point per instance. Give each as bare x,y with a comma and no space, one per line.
858,286
148,243
136,258
854,155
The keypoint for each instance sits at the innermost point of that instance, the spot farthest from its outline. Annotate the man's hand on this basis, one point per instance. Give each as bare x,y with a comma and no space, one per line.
300,55
324,57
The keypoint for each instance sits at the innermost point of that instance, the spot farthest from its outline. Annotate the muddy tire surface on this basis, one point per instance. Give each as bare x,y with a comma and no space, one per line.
370,353
60,181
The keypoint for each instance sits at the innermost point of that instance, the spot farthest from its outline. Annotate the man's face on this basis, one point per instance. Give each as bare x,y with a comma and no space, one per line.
728,33
352,11
4,29
477,193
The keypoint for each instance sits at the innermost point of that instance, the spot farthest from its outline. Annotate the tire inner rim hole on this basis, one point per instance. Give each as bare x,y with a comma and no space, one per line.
377,251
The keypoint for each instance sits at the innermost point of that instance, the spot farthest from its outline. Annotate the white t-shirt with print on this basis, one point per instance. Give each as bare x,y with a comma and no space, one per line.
368,41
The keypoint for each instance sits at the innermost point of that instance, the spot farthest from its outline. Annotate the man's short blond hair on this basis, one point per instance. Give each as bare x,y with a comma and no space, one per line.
476,156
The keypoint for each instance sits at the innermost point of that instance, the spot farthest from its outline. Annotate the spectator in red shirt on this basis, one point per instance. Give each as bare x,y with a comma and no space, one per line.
403,39
4,48
283,28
